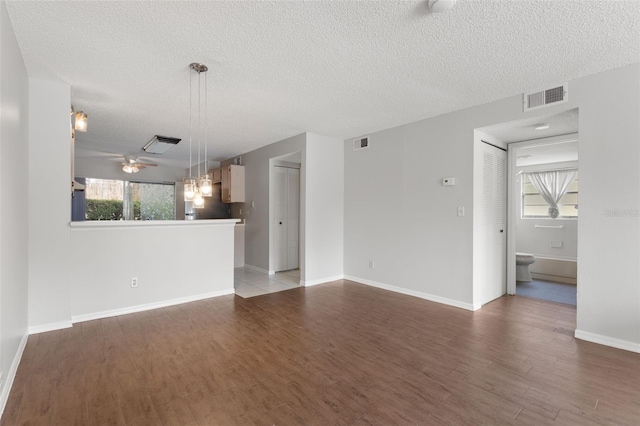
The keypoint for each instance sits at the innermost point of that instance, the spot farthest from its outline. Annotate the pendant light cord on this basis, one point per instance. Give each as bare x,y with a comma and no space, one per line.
199,120
190,120
206,128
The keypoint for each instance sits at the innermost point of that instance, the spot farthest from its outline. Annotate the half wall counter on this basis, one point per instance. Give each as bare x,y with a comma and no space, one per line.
122,267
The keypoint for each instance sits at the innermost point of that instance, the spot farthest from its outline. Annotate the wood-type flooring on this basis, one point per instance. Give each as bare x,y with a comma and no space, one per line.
334,354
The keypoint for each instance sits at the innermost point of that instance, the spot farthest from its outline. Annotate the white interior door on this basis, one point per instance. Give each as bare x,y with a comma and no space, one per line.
286,203
279,212
293,216
491,248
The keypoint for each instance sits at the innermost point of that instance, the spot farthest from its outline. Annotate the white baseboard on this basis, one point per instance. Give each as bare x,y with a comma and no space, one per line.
421,295
309,283
554,278
50,327
148,306
258,269
607,341
8,381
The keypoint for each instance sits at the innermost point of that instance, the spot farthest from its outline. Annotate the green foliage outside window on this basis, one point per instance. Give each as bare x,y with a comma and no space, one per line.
109,210
107,199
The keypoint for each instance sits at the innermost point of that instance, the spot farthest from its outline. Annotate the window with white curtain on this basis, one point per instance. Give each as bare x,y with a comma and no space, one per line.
534,205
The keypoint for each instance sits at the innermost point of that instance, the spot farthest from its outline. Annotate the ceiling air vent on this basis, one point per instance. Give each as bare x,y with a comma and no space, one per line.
543,98
361,143
160,144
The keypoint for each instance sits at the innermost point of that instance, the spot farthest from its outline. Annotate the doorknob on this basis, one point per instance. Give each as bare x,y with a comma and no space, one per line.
280,223
501,231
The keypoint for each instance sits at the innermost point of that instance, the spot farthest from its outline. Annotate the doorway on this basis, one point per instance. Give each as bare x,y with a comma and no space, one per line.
546,232
536,145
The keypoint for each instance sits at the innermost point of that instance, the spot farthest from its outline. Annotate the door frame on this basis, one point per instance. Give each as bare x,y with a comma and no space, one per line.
293,160
512,209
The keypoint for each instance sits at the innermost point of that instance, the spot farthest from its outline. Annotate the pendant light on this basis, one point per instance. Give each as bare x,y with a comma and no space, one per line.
206,181
193,190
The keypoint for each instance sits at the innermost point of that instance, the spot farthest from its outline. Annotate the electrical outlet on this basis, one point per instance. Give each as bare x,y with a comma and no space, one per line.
134,282
372,264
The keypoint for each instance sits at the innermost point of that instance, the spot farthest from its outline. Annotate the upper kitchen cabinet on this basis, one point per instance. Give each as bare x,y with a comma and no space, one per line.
233,184
217,175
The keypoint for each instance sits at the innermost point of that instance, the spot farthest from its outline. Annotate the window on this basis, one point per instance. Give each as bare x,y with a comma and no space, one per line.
126,200
534,206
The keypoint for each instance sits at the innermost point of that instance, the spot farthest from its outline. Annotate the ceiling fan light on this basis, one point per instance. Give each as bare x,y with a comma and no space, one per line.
206,185
81,121
127,168
189,189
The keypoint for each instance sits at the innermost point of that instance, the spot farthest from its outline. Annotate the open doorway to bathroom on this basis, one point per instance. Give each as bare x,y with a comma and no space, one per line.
543,180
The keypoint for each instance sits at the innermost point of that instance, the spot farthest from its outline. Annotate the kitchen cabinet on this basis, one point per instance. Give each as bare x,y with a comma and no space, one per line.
217,175
233,184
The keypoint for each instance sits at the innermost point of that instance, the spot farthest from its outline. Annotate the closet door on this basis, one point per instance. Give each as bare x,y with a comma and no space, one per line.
491,270
280,218
286,199
293,217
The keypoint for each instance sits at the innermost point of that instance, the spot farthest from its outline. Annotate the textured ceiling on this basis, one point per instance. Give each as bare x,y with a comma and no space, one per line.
336,68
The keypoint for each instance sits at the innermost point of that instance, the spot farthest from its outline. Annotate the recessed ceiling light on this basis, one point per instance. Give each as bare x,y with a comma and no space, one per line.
543,126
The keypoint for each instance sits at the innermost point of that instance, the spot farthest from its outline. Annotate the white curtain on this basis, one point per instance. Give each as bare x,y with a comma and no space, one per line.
552,186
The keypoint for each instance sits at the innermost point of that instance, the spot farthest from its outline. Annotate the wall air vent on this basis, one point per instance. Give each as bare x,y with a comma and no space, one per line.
160,144
361,143
543,98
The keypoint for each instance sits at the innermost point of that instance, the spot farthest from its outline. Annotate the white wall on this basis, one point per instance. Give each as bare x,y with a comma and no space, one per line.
324,207
609,242
174,261
14,104
397,214
49,208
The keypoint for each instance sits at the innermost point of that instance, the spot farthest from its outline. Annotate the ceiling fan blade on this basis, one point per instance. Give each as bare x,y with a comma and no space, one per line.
146,165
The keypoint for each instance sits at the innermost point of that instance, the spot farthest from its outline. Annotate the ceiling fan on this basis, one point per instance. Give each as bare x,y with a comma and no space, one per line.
132,165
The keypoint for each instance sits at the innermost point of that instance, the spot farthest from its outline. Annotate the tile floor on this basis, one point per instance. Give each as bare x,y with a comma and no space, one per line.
548,290
250,283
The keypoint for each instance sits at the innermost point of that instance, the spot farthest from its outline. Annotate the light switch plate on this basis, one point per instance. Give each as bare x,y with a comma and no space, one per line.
460,211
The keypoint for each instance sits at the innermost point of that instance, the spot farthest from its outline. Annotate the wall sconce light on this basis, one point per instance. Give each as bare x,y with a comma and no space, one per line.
81,121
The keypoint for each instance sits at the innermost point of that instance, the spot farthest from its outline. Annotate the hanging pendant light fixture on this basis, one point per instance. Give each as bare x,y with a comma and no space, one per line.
195,191
206,180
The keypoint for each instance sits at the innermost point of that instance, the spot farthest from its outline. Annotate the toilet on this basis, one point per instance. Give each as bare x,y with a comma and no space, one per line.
523,260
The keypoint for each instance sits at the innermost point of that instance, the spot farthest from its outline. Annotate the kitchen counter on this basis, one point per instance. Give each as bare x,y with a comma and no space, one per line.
151,223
